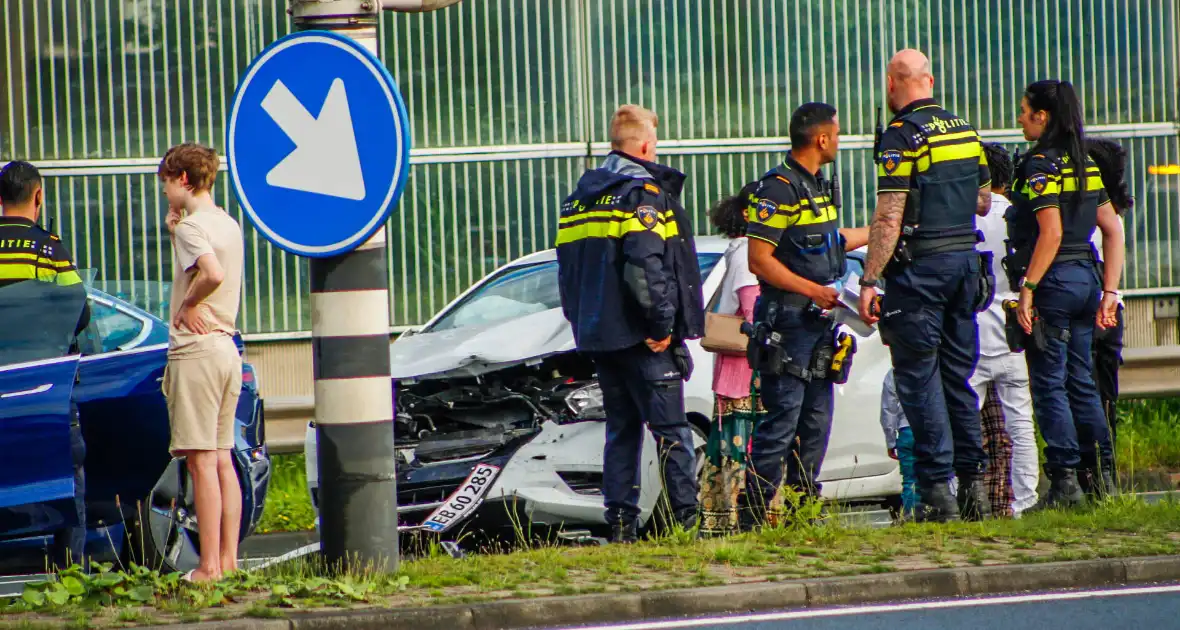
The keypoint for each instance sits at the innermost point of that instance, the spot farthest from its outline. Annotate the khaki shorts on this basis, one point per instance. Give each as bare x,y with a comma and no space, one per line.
202,395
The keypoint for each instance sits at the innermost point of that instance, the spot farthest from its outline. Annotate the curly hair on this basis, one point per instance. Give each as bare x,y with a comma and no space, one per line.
729,216
1111,159
999,165
200,163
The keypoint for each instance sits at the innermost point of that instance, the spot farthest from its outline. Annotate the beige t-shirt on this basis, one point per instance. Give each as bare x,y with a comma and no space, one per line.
204,231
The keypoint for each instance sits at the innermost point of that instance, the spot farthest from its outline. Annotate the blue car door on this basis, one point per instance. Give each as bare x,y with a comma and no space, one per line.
36,465
38,370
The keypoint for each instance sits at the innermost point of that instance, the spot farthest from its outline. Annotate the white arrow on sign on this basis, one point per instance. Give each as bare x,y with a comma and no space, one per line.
325,159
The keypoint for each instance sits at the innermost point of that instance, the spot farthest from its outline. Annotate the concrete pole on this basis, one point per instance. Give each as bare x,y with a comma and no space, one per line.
350,344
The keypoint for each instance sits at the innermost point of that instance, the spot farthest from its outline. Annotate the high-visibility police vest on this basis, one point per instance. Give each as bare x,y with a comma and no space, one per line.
810,244
944,190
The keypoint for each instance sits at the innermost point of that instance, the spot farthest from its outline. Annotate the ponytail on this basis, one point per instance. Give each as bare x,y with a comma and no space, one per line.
1066,128
1111,159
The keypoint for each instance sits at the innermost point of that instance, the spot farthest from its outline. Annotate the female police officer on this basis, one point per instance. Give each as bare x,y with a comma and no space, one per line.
1058,199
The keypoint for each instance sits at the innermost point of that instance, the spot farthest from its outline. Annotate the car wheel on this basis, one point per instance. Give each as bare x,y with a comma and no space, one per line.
164,535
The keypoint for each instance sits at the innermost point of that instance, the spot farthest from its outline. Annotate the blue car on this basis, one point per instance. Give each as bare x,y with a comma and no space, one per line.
138,499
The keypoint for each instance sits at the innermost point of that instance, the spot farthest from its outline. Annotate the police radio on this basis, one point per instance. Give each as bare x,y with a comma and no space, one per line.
877,136
834,188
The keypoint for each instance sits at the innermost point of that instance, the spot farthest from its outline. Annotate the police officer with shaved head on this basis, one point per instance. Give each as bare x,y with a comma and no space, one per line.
932,182
631,289
797,251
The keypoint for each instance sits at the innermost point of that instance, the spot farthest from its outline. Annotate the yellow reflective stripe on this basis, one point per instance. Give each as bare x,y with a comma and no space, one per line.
966,151
18,272
903,169
923,163
613,229
950,136
34,258
778,220
1069,170
1051,188
825,215
1092,183
607,214
69,278
917,153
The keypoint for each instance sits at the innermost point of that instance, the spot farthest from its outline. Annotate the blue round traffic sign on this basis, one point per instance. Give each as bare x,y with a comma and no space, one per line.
318,143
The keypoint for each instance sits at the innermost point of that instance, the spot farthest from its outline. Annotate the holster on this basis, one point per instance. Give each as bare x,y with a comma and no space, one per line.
987,283
841,366
683,359
821,357
1042,333
1012,331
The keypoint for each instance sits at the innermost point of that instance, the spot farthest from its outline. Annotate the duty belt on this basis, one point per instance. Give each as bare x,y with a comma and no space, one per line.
785,298
928,246
1071,253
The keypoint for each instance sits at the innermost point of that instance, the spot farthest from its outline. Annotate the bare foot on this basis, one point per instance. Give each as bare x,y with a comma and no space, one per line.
229,565
201,575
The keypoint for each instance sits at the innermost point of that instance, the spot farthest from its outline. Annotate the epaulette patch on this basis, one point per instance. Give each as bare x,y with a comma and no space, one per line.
651,188
782,179
647,215
890,160
766,209
1038,182
896,124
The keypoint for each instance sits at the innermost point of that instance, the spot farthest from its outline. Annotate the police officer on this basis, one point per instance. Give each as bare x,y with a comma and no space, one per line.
631,289
933,180
30,253
796,250
1058,199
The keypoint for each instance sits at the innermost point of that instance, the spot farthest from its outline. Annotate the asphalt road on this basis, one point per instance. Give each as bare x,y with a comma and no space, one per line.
1147,607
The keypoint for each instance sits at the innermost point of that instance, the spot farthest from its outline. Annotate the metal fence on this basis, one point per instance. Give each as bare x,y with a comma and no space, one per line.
509,101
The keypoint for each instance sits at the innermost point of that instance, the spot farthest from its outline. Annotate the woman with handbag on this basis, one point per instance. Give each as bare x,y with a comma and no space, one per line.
735,409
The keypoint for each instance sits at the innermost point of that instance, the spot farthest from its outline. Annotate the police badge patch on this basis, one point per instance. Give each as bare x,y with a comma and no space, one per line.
890,160
647,216
766,209
1038,182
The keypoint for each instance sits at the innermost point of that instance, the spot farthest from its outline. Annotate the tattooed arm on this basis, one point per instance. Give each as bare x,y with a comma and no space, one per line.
883,235
884,232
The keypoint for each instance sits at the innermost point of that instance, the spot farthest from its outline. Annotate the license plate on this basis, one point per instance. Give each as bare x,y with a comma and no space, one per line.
463,501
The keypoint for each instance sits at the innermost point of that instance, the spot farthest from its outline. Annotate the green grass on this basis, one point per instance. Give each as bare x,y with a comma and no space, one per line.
1149,434
1148,438
288,504
1120,527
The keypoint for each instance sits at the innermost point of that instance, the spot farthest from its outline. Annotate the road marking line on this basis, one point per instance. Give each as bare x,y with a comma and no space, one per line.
859,610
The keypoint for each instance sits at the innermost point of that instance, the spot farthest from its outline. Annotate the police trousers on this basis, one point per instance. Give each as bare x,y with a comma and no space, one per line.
69,543
1108,357
792,439
929,324
1066,402
640,387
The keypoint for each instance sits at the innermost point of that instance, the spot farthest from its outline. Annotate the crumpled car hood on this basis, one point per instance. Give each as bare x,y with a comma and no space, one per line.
476,350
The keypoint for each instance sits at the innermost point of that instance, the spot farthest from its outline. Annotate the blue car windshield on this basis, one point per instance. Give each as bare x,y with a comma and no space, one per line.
517,292
38,320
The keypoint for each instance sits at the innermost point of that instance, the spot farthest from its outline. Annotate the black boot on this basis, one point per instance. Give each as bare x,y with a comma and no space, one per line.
1099,484
624,531
1064,491
973,501
689,519
936,504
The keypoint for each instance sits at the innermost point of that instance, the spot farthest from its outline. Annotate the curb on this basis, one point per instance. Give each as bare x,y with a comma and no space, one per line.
737,598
